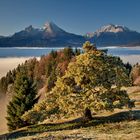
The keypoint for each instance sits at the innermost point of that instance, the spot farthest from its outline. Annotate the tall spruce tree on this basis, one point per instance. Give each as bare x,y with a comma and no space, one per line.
23,100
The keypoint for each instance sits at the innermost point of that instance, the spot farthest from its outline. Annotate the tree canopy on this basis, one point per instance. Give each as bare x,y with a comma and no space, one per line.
23,100
92,82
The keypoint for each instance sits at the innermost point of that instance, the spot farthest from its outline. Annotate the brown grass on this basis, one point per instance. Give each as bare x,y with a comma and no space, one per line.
115,131
109,131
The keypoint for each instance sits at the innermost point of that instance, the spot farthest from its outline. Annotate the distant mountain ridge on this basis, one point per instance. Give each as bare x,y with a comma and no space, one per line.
114,35
53,36
1,36
49,35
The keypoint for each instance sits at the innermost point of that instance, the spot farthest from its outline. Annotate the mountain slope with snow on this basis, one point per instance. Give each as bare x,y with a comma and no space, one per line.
53,36
114,35
49,35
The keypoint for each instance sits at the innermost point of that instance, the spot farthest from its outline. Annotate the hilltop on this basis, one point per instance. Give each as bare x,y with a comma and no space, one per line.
77,90
72,130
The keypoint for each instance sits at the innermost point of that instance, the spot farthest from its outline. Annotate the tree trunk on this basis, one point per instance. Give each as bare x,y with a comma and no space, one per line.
87,115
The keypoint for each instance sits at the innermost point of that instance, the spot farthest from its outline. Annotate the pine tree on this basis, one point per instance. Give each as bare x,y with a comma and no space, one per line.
68,53
23,100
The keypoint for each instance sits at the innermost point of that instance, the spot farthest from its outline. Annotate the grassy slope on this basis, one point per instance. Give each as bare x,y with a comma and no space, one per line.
113,131
108,126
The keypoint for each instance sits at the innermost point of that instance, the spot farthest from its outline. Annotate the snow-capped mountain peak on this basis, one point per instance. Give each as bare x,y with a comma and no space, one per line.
113,28
29,28
52,29
110,28
114,34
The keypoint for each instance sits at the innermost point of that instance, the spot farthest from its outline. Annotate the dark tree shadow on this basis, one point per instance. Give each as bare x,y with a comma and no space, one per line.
73,124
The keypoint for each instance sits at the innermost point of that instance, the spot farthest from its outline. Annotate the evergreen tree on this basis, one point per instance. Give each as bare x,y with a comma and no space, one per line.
68,53
3,85
51,81
128,66
23,100
77,51
53,53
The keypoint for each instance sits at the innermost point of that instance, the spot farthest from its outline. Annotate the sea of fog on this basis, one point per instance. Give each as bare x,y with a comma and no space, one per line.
38,51
11,57
25,51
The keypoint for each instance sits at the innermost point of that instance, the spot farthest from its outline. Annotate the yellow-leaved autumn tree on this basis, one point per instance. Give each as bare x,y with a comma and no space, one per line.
92,82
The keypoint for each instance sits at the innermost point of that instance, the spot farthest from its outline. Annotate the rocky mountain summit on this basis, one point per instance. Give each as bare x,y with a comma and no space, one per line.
114,35
50,35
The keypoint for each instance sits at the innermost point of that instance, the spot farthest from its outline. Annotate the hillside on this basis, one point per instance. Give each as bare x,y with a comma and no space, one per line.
41,70
73,130
80,92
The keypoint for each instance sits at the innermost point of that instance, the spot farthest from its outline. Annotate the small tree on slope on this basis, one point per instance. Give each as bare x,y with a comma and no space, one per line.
23,100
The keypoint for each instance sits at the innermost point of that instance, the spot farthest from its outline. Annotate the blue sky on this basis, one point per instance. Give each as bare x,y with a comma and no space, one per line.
76,16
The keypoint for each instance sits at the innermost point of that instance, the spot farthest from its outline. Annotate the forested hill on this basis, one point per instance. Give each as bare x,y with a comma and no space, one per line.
46,70
43,71
76,83
68,76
